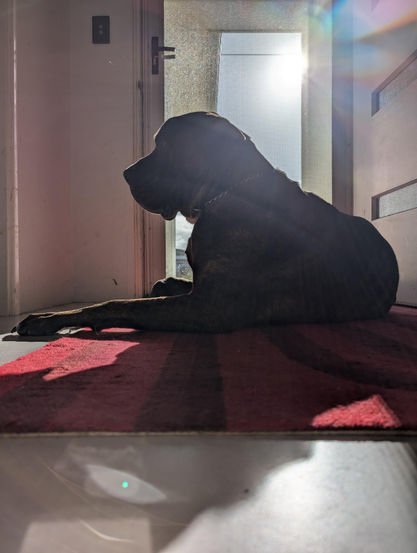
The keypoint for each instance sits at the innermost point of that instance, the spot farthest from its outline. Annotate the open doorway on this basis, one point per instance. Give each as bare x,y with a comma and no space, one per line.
266,67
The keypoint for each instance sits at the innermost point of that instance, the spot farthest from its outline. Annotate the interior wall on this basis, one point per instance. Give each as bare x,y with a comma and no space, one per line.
44,163
385,142
75,138
102,95
381,44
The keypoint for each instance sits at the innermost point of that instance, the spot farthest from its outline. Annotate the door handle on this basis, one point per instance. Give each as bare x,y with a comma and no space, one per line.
155,54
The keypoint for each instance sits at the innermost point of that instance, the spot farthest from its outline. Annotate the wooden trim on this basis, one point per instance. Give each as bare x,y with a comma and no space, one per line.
374,435
388,80
12,190
154,267
138,238
342,107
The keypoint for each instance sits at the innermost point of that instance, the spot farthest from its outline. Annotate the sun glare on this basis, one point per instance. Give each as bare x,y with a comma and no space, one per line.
287,71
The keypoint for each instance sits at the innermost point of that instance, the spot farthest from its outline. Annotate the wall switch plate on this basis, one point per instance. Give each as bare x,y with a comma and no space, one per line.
101,29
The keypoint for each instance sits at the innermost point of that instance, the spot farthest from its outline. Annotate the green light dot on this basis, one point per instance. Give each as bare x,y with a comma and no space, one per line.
125,484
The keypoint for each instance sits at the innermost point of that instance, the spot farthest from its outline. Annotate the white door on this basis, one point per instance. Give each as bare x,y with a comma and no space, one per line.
385,128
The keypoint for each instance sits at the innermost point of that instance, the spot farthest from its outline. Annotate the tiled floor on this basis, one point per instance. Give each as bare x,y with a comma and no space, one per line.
205,493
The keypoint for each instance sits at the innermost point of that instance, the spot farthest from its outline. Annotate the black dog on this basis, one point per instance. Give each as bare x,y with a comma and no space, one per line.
262,250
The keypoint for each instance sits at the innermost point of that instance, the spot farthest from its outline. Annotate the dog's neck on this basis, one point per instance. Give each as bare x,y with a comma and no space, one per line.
238,170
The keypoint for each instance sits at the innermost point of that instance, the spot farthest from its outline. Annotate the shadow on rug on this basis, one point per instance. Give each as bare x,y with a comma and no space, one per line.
359,375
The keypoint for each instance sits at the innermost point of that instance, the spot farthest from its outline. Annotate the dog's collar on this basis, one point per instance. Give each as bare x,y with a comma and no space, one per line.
199,210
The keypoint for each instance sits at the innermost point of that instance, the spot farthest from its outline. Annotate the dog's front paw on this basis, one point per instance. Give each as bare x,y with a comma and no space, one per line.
40,324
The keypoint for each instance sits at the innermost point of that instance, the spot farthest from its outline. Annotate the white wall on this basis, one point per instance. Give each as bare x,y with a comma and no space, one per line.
102,92
75,138
385,143
383,40
44,163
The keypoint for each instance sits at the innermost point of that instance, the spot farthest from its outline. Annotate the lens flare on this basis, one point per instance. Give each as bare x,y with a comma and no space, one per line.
287,71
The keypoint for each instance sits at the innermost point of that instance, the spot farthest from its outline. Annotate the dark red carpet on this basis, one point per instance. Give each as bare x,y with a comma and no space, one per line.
360,375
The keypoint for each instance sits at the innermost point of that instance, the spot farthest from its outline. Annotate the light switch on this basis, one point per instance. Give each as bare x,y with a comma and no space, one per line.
101,29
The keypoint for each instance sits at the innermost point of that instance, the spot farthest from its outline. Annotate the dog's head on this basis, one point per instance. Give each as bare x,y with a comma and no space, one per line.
193,153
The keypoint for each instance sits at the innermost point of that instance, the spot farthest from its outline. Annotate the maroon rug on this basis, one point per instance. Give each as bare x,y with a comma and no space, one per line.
350,376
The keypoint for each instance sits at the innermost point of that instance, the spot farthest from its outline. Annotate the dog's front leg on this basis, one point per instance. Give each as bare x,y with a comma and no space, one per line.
179,313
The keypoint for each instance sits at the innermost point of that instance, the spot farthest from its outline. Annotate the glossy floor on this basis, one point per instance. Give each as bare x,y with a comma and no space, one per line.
207,494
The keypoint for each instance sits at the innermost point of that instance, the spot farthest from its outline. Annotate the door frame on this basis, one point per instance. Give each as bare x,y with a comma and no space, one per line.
342,106
11,305
149,229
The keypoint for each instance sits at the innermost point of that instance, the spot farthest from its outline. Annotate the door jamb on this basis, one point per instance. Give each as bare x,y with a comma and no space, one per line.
342,106
149,229
13,288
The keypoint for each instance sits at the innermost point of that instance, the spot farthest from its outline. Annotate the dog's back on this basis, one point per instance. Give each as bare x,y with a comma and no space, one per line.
295,258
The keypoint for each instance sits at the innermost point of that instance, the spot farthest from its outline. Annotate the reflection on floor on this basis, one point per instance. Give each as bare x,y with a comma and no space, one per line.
206,493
